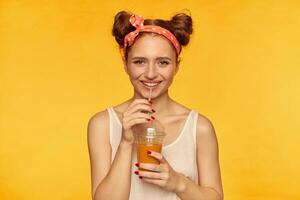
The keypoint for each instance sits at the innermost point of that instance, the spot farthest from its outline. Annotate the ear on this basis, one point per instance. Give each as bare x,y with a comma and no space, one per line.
177,65
125,65
124,60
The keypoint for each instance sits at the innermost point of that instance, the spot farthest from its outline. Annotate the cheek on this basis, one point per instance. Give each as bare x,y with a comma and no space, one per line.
134,74
168,73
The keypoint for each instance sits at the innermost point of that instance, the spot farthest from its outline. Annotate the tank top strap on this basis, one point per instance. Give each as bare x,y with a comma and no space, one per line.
194,126
190,129
115,131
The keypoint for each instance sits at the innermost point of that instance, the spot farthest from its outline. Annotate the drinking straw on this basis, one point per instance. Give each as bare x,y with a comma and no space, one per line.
149,98
150,93
151,129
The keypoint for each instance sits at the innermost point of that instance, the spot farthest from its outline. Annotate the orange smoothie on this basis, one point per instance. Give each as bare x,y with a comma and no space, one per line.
142,155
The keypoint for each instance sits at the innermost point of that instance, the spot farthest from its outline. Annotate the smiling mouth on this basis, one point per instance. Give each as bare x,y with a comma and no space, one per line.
150,84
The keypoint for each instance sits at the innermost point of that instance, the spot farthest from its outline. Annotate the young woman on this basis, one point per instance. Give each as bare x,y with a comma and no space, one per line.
189,165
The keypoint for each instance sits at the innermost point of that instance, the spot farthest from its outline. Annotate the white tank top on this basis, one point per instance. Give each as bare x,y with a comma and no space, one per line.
180,154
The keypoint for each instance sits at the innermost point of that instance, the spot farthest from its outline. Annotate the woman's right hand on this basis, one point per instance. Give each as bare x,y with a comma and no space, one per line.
136,113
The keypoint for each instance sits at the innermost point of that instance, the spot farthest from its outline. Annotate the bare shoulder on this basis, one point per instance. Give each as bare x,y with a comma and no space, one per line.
98,119
98,128
205,127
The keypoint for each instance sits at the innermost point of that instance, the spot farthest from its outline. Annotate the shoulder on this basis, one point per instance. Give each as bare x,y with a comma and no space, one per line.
98,126
98,119
206,141
205,128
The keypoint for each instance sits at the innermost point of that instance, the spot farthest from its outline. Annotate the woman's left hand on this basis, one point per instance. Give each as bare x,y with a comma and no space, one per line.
161,174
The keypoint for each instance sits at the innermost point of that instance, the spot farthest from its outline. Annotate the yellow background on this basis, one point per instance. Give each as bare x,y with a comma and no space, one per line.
59,65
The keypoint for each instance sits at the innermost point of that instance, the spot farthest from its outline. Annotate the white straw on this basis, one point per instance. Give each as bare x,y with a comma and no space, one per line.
150,93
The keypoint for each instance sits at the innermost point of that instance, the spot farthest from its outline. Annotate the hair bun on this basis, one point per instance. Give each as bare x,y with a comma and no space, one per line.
182,26
121,26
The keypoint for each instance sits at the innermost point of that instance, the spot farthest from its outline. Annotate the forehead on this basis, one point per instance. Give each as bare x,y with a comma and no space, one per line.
151,46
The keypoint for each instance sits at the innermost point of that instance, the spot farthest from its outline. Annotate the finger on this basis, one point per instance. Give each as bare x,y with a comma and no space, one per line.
131,119
147,174
135,116
135,121
157,156
157,182
151,167
139,101
145,108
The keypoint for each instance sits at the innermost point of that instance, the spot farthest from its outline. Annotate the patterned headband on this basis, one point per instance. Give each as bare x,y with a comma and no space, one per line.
138,22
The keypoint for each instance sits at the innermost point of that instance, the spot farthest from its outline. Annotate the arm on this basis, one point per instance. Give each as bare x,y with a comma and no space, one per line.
116,185
209,176
112,180
108,180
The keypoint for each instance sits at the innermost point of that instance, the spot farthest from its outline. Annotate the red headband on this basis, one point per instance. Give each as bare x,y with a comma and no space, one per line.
138,22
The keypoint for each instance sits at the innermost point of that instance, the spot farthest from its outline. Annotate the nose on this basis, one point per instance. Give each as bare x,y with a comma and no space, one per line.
151,71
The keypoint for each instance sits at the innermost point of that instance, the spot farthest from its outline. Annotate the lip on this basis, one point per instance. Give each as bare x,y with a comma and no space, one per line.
152,87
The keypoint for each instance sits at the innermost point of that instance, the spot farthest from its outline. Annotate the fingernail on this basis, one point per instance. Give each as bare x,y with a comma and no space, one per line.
148,152
150,102
140,177
148,119
137,164
153,110
152,117
136,172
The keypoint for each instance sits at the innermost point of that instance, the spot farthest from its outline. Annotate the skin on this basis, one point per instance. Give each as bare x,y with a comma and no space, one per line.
151,58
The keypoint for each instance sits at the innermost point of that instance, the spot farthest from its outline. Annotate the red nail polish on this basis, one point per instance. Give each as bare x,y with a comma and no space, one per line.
152,117
153,110
148,152
148,119
136,172
140,177
137,164
150,102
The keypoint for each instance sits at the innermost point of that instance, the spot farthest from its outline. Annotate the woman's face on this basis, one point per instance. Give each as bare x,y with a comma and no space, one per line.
151,63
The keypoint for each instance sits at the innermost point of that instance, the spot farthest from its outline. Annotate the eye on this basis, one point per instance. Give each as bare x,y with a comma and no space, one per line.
139,62
164,62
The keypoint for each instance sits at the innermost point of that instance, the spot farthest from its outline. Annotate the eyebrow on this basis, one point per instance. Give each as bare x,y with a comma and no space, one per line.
138,57
158,58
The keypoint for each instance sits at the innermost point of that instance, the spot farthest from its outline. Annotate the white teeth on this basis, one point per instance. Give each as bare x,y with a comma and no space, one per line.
151,84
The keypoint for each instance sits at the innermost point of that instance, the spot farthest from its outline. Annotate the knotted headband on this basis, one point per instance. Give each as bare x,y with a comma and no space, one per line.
138,23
